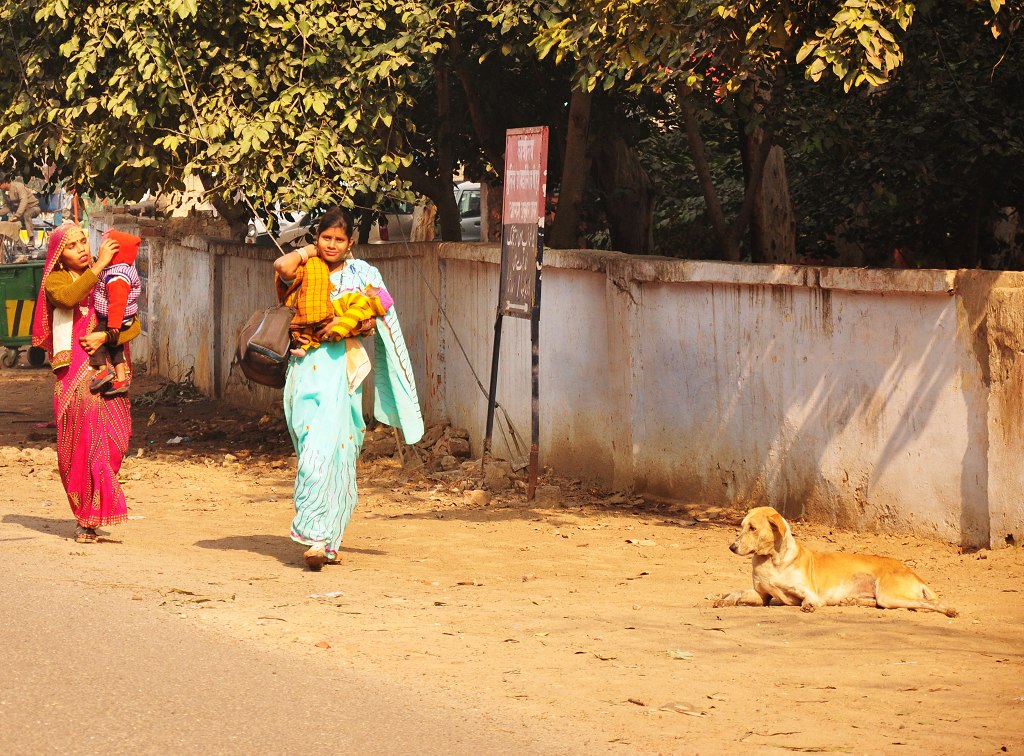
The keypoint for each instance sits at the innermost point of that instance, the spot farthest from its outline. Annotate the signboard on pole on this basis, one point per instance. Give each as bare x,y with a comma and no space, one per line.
522,256
526,158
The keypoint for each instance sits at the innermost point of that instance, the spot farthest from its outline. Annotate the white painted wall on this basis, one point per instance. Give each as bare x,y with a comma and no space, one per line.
873,399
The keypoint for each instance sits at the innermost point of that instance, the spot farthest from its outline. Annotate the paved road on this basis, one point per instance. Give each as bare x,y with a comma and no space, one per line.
89,671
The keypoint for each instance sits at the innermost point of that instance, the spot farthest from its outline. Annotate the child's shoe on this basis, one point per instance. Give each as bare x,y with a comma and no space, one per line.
103,378
117,388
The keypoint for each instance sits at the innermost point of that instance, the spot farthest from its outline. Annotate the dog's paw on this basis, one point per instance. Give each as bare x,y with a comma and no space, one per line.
807,606
726,599
951,612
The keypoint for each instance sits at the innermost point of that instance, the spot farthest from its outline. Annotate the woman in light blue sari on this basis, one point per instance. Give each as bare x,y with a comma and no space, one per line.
323,403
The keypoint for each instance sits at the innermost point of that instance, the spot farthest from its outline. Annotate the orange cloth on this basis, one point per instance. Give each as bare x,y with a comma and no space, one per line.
311,297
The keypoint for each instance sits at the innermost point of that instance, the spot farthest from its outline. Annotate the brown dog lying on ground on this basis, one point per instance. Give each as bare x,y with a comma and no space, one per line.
786,571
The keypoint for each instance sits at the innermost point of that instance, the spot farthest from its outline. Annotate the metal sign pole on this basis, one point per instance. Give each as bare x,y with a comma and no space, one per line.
531,486
522,241
493,388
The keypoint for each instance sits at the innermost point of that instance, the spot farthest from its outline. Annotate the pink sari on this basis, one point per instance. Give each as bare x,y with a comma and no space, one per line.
92,430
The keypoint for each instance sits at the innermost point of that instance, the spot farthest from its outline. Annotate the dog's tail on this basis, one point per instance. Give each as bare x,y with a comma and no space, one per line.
931,597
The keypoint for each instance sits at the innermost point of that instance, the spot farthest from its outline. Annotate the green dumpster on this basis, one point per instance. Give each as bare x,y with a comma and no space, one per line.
19,287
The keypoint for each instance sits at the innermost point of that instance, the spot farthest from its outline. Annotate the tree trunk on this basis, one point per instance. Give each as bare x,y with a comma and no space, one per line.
448,215
443,194
235,214
564,232
628,197
772,221
492,196
365,223
728,245
491,140
440,188
423,222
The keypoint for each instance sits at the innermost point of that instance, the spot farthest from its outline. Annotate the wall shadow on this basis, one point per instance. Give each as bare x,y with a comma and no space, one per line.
777,375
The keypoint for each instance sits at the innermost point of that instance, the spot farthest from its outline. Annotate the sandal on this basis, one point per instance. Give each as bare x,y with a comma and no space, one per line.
315,558
86,535
116,388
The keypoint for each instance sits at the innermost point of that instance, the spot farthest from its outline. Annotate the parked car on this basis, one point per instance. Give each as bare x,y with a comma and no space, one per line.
293,229
393,224
467,197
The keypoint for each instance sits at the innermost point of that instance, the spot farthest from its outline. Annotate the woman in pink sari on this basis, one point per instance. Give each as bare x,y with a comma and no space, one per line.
92,430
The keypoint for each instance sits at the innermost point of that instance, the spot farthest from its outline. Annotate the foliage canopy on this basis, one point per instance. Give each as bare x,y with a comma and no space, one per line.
886,108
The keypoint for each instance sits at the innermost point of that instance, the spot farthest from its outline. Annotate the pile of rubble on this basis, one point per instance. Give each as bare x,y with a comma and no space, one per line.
444,455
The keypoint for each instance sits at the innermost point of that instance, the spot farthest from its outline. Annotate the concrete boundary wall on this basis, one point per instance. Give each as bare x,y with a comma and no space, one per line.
871,399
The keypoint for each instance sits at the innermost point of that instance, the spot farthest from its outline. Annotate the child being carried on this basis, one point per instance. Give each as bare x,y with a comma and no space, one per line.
116,299
311,297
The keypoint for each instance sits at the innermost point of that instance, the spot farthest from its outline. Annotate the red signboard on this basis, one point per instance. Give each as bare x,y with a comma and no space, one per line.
526,159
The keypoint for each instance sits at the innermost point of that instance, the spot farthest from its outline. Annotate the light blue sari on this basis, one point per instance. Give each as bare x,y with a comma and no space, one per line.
325,419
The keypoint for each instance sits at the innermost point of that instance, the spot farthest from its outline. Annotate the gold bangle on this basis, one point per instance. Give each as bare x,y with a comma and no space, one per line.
303,255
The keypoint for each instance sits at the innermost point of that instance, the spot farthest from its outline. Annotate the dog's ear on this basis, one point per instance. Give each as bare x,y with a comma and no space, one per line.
780,528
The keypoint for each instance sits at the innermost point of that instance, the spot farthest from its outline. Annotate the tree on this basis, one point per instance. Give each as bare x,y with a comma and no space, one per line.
925,164
733,58
288,101
306,103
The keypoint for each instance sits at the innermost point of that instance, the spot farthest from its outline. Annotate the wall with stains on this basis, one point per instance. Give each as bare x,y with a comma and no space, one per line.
871,399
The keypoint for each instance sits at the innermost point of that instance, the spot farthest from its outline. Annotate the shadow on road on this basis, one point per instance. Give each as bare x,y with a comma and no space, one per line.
281,548
62,527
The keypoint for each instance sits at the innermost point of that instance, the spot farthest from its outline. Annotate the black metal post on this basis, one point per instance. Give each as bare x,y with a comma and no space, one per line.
531,486
492,390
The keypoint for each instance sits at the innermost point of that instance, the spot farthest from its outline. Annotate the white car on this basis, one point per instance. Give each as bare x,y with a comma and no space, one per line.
467,197
293,229
398,227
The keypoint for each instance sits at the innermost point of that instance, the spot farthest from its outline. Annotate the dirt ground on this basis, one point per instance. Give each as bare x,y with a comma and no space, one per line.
589,614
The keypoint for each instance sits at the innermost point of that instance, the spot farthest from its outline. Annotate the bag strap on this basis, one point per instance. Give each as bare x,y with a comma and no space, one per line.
279,284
